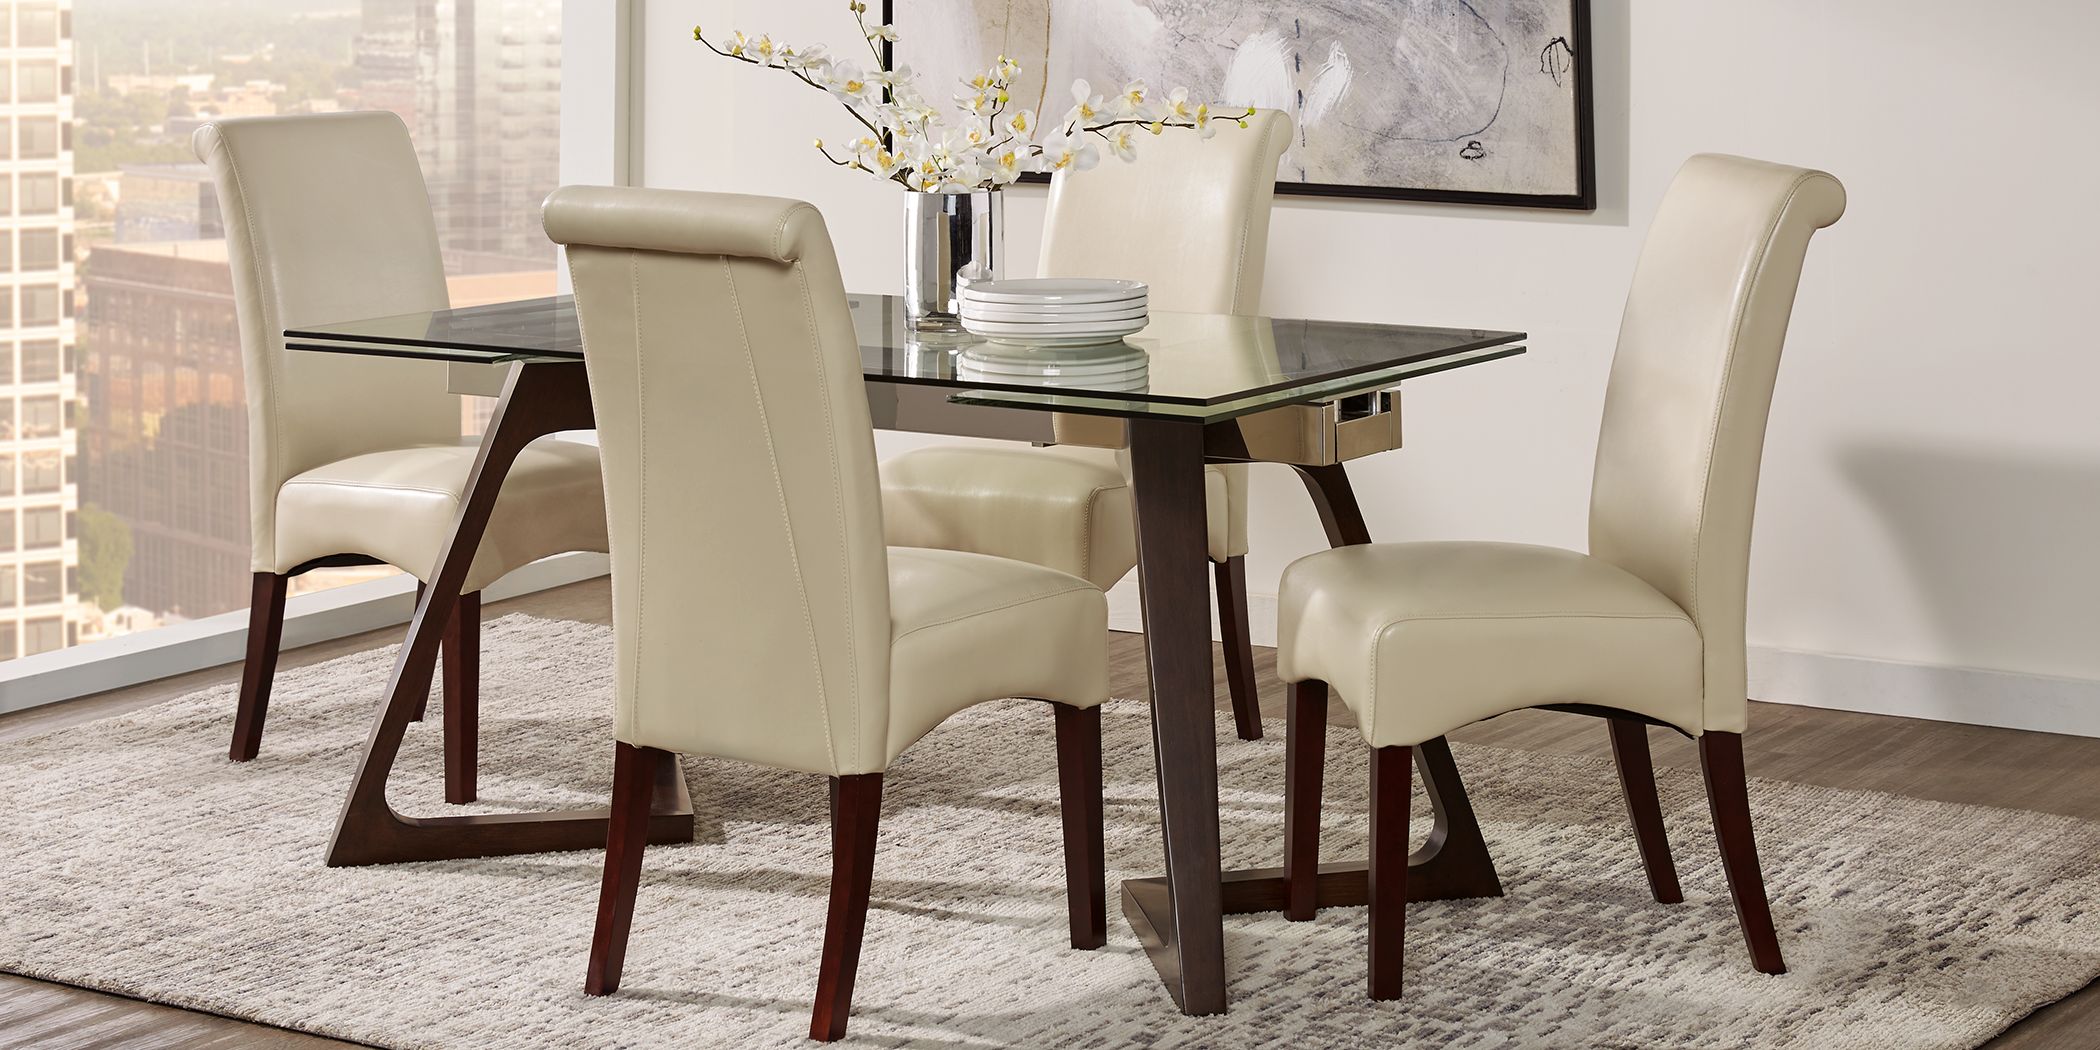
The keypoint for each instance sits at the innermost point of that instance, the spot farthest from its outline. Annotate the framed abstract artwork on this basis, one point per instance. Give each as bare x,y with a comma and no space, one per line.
1462,101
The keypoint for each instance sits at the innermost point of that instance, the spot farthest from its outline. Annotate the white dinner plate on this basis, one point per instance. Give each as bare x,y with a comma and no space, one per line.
1054,290
1029,339
982,312
1034,328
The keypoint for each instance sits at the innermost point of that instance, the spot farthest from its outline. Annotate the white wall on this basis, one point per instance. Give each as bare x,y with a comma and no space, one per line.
1932,478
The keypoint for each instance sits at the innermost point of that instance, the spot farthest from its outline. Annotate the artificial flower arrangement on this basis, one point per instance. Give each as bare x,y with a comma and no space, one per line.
988,144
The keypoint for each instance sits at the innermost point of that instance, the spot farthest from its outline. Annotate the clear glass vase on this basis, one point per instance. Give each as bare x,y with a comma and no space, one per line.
950,239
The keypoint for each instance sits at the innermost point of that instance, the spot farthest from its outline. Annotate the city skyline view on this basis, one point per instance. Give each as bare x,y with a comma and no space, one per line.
123,428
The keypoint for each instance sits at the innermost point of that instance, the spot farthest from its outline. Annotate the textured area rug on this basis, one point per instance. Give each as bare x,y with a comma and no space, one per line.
135,859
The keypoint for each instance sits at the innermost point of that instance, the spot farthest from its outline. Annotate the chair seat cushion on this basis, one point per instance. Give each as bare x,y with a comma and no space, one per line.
399,506
1420,639
1062,507
966,627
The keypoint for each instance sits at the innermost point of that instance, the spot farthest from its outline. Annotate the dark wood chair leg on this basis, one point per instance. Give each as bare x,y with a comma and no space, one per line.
1629,747
634,781
1079,789
462,657
1728,791
423,702
1392,785
856,808
265,634
1304,767
1239,647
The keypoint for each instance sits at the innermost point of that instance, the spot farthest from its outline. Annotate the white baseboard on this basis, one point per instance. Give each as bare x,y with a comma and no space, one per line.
323,616
2006,699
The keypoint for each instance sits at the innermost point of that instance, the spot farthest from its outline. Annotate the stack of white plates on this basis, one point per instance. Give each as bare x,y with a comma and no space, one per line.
1054,311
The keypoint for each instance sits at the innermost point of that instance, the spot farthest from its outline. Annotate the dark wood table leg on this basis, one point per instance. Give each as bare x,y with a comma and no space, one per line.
1182,925
537,400
1453,863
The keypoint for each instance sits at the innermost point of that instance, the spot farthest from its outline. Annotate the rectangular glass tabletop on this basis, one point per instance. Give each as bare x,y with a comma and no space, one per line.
1197,367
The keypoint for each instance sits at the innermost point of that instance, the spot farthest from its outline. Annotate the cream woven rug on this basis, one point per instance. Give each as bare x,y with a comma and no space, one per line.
134,858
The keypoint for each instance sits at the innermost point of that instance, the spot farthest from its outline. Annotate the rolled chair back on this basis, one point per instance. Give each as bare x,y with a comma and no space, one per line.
1691,388
326,220
749,576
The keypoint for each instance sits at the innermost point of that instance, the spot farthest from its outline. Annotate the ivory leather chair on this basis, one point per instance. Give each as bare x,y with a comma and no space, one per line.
1191,220
359,461
1420,639
757,613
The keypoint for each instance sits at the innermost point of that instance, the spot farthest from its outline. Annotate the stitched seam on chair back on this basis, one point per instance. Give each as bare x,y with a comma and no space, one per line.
1239,266
641,526
1735,327
787,527
838,518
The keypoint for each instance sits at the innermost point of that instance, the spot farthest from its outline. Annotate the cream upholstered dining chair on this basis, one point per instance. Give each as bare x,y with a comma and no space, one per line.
757,613
1190,219
1420,639
358,461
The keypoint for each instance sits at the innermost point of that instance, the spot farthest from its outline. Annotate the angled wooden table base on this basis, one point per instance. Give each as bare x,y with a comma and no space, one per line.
1179,917
538,400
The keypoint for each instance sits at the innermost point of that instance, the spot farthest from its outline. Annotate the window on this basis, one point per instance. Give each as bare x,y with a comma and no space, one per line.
146,387
7,479
36,25
8,587
39,138
40,472
40,193
36,81
40,418
40,361
40,250
7,541
43,635
42,527
7,639
43,583
40,304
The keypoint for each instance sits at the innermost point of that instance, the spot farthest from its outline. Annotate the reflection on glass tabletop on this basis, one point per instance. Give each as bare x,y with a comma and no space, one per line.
1183,366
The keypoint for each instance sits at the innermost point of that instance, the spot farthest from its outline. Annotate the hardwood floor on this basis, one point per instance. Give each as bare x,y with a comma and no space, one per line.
1936,760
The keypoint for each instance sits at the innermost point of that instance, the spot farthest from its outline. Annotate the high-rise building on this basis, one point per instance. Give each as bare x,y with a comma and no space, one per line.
164,443
39,503
479,83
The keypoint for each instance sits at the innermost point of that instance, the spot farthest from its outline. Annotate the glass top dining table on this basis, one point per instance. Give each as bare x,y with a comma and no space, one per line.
1187,390
1203,368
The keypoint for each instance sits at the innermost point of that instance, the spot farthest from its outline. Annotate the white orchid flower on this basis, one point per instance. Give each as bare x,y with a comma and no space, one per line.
849,83
1007,68
1123,142
1088,107
1177,106
766,49
1075,151
1131,103
737,43
1205,127
1020,125
886,33
972,134
1007,165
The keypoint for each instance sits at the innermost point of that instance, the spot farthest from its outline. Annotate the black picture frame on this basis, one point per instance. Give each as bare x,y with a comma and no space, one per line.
1583,199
